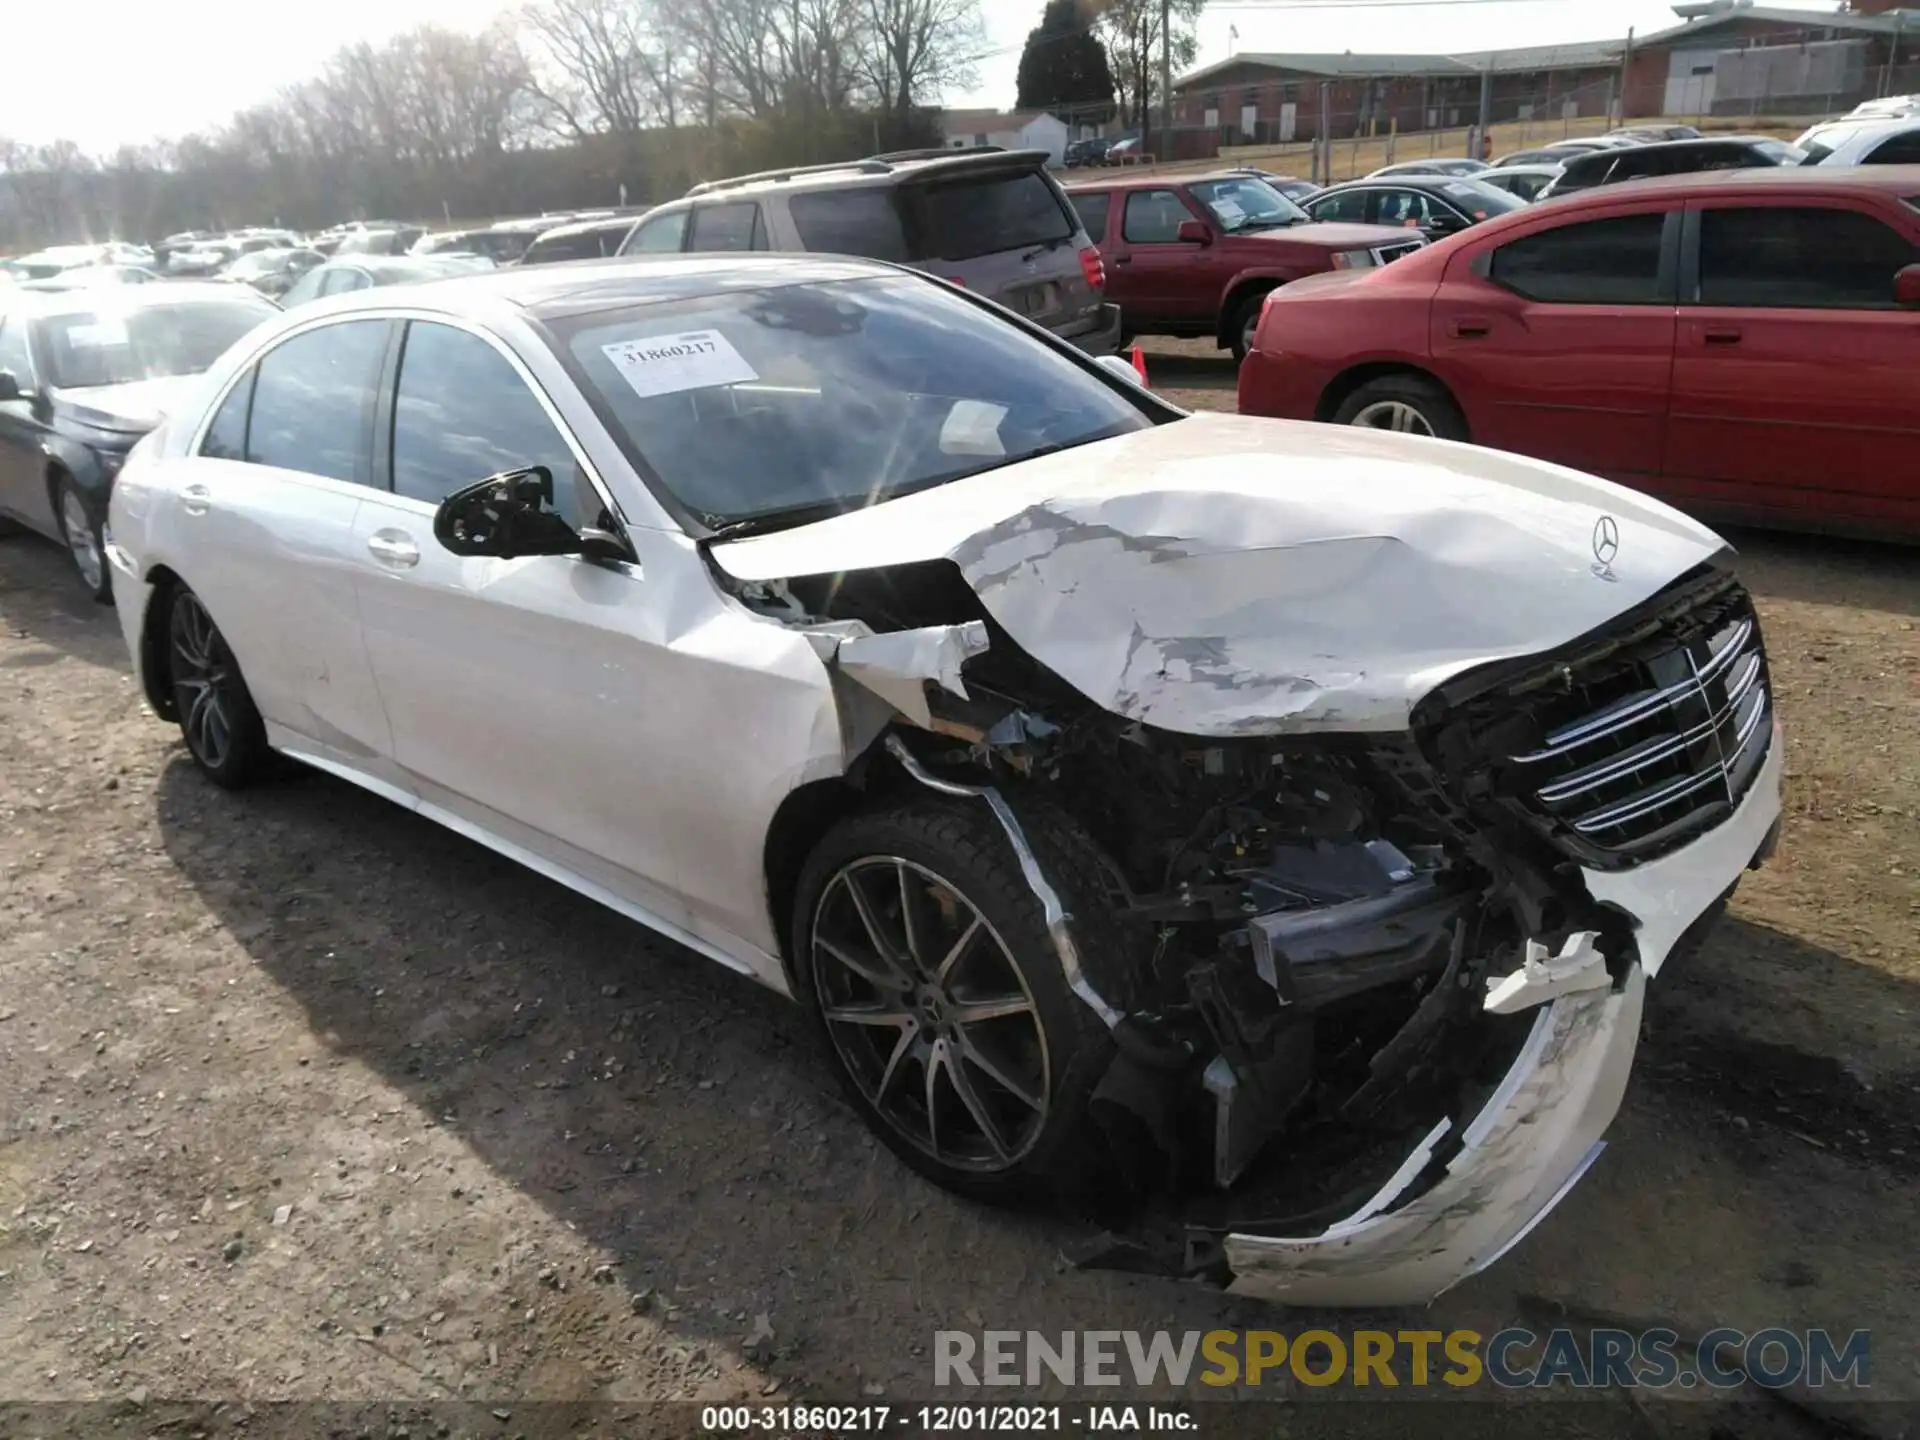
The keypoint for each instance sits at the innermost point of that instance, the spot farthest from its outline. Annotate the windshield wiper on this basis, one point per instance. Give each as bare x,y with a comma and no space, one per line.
1044,246
768,521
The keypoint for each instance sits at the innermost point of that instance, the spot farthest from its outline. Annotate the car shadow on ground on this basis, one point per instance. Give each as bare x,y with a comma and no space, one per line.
53,609
675,1115
1192,372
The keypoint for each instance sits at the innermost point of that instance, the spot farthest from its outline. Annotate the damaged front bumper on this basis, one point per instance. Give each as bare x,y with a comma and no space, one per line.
1540,1130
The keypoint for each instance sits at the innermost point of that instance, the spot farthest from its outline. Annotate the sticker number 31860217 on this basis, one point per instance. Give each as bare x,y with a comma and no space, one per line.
666,364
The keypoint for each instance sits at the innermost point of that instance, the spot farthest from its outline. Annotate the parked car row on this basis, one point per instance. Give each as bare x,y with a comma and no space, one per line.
881,645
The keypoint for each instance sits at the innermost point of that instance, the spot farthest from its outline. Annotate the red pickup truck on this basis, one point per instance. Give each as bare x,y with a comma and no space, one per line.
1198,254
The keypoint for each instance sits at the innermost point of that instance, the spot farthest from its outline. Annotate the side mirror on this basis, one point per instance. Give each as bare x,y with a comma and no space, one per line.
1906,286
505,516
10,386
1194,232
1119,365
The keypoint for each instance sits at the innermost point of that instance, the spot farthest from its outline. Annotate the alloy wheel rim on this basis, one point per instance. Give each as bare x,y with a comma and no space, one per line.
931,1014
203,681
80,538
1248,329
1394,415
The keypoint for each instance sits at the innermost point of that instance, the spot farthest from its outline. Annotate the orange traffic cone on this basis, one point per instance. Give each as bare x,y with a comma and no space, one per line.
1140,362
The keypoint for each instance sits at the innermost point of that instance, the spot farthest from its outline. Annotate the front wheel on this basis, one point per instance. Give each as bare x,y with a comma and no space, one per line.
218,720
927,963
1245,324
81,528
1410,404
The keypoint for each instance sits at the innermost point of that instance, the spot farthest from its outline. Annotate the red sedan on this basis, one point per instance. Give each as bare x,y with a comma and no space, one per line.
1743,343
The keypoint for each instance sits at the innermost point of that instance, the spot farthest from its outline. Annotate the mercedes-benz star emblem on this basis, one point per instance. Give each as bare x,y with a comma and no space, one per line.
1606,545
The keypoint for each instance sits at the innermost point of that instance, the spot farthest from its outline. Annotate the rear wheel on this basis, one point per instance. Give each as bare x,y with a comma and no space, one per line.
222,728
1410,404
928,965
82,529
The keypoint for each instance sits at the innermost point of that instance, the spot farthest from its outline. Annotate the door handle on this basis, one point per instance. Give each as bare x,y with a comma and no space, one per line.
1121,260
196,499
390,547
1470,329
1721,335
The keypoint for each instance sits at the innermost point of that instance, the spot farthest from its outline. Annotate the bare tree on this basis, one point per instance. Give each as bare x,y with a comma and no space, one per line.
602,66
1131,29
914,49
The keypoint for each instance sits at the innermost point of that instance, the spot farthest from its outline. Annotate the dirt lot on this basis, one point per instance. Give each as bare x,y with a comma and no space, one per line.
306,1098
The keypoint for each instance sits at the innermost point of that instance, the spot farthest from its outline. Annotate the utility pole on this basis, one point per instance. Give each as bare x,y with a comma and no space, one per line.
1486,113
1626,67
1323,140
1166,73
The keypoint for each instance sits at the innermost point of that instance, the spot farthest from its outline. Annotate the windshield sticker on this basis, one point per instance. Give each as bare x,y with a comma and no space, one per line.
98,333
1228,210
668,364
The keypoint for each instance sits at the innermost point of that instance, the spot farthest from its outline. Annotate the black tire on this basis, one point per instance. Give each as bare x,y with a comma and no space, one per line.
1058,1153
1246,318
1411,404
218,719
83,529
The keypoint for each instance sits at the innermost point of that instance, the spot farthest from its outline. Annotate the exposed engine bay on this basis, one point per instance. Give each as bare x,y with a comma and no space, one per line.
1323,958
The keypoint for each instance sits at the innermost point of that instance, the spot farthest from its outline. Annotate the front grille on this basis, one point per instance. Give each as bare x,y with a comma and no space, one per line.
1383,254
1641,738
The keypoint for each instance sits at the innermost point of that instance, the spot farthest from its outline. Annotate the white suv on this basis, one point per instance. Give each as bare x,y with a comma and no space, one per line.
1863,140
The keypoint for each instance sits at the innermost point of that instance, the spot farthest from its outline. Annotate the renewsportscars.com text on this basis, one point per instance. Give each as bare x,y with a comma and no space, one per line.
1513,1358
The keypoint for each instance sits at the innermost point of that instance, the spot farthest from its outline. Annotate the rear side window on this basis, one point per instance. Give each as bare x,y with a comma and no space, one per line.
1092,210
1799,257
863,222
313,400
728,227
549,250
1347,206
227,435
1153,217
1900,150
661,235
462,413
1599,262
962,218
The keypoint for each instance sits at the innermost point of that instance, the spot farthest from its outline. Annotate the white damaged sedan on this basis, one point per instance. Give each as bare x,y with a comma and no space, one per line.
1273,827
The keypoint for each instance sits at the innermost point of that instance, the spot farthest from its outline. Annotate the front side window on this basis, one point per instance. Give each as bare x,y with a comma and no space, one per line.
1804,256
663,234
1153,217
345,279
1409,209
1598,262
117,344
227,435
819,398
462,413
313,400
728,227
863,221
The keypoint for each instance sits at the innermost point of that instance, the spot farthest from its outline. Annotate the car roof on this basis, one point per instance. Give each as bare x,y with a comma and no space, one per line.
130,297
549,292
1854,125
876,169
1898,180
592,227
1532,167
1412,180
1158,182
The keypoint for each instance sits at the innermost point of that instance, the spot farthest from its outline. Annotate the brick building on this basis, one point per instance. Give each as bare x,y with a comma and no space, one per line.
1728,57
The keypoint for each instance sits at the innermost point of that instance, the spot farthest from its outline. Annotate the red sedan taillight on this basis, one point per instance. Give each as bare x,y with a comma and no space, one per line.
1094,268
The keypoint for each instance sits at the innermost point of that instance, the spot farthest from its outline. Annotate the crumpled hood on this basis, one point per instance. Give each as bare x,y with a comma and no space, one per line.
1227,575
133,408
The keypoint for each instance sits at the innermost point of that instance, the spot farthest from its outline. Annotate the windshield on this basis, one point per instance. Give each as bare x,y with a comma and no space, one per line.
1243,204
115,346
1780,152
792,403
260,262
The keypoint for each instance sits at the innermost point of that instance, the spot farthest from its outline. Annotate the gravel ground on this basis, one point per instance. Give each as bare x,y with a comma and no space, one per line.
307,1098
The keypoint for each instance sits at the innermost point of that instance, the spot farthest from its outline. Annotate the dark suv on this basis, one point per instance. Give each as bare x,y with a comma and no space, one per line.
1673,157
992,220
